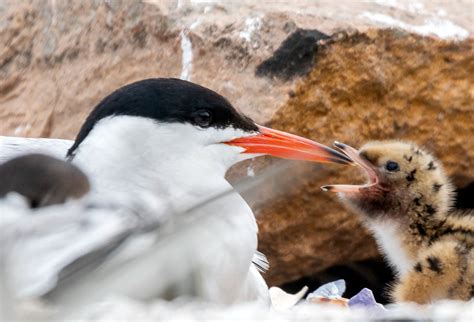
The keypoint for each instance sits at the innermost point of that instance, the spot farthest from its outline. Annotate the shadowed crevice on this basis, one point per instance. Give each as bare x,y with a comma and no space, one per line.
295,56
465,197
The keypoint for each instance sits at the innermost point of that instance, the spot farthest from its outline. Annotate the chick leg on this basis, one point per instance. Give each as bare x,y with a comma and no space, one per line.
438,270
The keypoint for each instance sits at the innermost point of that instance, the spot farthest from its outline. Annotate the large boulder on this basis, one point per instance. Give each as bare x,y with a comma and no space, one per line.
60,58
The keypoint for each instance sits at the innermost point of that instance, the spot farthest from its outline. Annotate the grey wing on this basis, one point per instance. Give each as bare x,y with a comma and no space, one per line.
11,147
46,250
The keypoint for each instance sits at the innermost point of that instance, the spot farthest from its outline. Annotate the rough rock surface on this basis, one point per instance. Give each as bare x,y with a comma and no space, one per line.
59,61
59,58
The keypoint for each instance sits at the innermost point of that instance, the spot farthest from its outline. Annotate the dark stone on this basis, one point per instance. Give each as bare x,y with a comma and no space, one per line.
294,57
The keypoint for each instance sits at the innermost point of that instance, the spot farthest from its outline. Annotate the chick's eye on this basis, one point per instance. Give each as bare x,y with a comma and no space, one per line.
392,166
202,118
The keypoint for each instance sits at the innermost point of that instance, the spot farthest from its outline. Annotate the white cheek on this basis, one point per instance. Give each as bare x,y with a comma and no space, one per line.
213,145
213,135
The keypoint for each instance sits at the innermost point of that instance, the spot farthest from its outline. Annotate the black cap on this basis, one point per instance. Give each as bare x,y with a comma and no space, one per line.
167,100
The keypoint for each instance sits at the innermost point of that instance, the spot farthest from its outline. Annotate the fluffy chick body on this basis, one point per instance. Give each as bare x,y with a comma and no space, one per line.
410,212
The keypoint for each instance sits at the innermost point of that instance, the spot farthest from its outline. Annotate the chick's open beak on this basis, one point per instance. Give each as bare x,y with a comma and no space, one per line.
369,169
288,146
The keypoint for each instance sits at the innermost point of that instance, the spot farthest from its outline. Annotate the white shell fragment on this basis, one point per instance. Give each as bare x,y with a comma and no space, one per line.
282,301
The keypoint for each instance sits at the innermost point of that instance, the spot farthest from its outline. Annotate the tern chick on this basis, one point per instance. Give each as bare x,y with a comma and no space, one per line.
408,206
42,180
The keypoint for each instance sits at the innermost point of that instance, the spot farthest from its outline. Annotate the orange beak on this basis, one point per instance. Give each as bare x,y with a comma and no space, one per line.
369,168
288,146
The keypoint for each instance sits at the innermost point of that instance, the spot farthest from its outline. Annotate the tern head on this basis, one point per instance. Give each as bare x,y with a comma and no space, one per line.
42,180
182,120
403,180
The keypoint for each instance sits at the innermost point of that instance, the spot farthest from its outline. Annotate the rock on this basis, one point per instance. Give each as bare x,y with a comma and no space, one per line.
334,289
295,56
282,301
365,300
60,58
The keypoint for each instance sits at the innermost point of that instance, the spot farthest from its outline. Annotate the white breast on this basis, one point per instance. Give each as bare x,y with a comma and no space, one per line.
206,253
389,239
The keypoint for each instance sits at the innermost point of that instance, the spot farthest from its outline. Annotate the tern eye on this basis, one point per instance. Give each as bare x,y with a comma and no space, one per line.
202,118
392,166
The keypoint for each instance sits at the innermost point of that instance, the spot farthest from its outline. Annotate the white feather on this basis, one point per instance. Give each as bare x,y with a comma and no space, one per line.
388,238
11,147
163,170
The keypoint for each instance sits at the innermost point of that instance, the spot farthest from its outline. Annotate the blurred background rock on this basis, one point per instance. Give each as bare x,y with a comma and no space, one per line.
346,70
